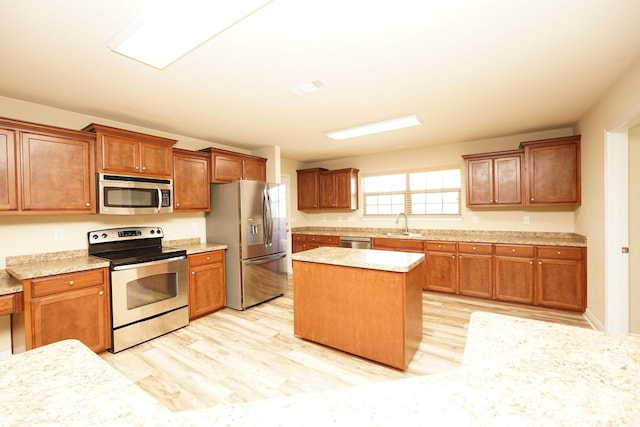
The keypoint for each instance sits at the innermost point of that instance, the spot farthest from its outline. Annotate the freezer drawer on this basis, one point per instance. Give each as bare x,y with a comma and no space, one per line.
262,279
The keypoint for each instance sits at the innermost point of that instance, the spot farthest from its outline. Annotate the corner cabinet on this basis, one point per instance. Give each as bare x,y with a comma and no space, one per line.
552,175
45,169
207,289
190,181
494,179
228,166
132,153
322,189
68,306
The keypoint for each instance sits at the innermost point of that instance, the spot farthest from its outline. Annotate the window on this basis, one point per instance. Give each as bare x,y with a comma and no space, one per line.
423,192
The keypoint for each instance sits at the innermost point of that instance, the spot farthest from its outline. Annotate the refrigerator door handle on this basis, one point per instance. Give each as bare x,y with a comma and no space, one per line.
262,260
267,220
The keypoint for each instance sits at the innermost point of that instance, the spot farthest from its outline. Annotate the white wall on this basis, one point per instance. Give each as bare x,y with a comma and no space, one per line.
634,230
621,99
541,219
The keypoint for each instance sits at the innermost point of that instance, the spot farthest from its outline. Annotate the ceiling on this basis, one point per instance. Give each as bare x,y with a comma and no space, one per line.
470,69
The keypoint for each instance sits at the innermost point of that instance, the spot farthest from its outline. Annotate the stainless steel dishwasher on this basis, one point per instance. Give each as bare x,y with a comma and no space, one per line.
355,242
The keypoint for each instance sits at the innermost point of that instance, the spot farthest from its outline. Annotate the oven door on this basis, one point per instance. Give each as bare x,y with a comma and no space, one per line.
140,291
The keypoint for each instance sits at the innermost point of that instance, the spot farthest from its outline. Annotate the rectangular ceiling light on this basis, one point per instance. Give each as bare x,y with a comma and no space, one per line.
378,127
172,28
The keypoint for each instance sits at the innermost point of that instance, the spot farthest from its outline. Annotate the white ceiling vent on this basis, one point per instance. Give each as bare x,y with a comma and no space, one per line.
307,87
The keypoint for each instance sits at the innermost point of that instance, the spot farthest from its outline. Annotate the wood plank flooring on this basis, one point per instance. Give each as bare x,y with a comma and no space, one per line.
231,356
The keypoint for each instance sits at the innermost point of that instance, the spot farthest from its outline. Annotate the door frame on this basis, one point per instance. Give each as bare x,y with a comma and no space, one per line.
616,221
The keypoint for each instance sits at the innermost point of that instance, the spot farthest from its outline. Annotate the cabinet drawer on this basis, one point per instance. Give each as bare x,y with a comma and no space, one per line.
6,305
524,251
66,282
299,237
475,248
559,252
328,240
205,258
440,246
406,245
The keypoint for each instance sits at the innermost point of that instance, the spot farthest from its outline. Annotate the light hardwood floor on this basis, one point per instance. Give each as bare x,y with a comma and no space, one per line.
231,356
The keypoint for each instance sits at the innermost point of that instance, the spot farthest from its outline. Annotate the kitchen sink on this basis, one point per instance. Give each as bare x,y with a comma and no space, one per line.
403,234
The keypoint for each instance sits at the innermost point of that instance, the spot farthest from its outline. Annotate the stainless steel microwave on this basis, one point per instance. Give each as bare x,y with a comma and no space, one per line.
134,195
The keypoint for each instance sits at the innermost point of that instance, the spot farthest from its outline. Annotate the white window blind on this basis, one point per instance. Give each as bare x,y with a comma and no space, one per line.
416,192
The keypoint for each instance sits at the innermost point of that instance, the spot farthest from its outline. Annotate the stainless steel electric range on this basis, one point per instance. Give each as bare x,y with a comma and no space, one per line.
149,284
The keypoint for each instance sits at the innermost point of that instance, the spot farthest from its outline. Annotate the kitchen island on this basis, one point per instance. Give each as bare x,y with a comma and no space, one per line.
362,301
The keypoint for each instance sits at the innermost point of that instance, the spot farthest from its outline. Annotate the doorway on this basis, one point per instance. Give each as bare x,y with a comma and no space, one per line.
622,277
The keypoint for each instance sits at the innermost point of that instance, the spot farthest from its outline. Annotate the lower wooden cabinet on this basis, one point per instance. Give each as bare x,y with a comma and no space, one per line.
304,242
560,277
207,288
514,273
66,306
442,267
475,269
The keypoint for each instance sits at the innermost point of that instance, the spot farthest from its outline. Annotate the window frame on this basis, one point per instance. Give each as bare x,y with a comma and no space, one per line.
407,193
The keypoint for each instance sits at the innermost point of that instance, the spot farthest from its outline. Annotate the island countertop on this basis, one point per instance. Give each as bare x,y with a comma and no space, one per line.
371,259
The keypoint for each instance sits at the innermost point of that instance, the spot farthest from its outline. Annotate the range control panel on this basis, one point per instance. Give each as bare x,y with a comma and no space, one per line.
124,234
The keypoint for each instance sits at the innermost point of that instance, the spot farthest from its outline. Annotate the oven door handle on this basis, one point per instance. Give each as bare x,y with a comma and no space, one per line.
150,263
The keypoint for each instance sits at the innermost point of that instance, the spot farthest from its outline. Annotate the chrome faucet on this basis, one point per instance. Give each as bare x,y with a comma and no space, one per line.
406,222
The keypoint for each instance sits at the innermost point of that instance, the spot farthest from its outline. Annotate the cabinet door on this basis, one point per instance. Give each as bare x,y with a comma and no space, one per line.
514,279
226,168
479,182
156,159
191,181
507,184
8,171
308,189
254,170
560,284
57,174
553,172
346,188
207,291
120,154
441,272
80,314
475,269
328,190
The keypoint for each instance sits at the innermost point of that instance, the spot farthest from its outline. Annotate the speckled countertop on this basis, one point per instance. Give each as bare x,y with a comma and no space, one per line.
505,237
48,264
514,372
361,258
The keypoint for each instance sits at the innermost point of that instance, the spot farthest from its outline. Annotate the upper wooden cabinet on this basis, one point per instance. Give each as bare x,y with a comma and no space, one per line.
227,166
339,189
45,169
322,189
552,171
494,179
132,153
8,170
540,173
190,181
309,189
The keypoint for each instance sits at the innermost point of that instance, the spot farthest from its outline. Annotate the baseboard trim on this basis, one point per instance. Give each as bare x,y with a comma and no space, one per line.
5,354
593,321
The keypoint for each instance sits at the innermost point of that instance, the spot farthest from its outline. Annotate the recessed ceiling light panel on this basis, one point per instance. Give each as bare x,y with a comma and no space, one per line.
377,127
171,28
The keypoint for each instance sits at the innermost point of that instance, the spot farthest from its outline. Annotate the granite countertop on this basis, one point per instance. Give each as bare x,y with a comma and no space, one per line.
9,284
58,266
361,258
194,246
514,372
475,236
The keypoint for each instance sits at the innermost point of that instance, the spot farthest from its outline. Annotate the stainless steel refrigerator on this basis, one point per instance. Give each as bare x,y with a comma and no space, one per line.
249,217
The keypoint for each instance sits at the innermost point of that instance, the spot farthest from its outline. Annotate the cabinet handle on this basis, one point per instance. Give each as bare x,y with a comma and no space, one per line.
532,199
539,262
513,250
177,205
530,262
88,204
460,256
558,253
454,257
474,248
101,293
137,167
439,246
193,273
490,201
71,283
144,168
208,258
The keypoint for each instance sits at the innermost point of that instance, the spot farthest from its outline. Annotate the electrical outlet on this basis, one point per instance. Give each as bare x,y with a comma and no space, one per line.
526,219
58,234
